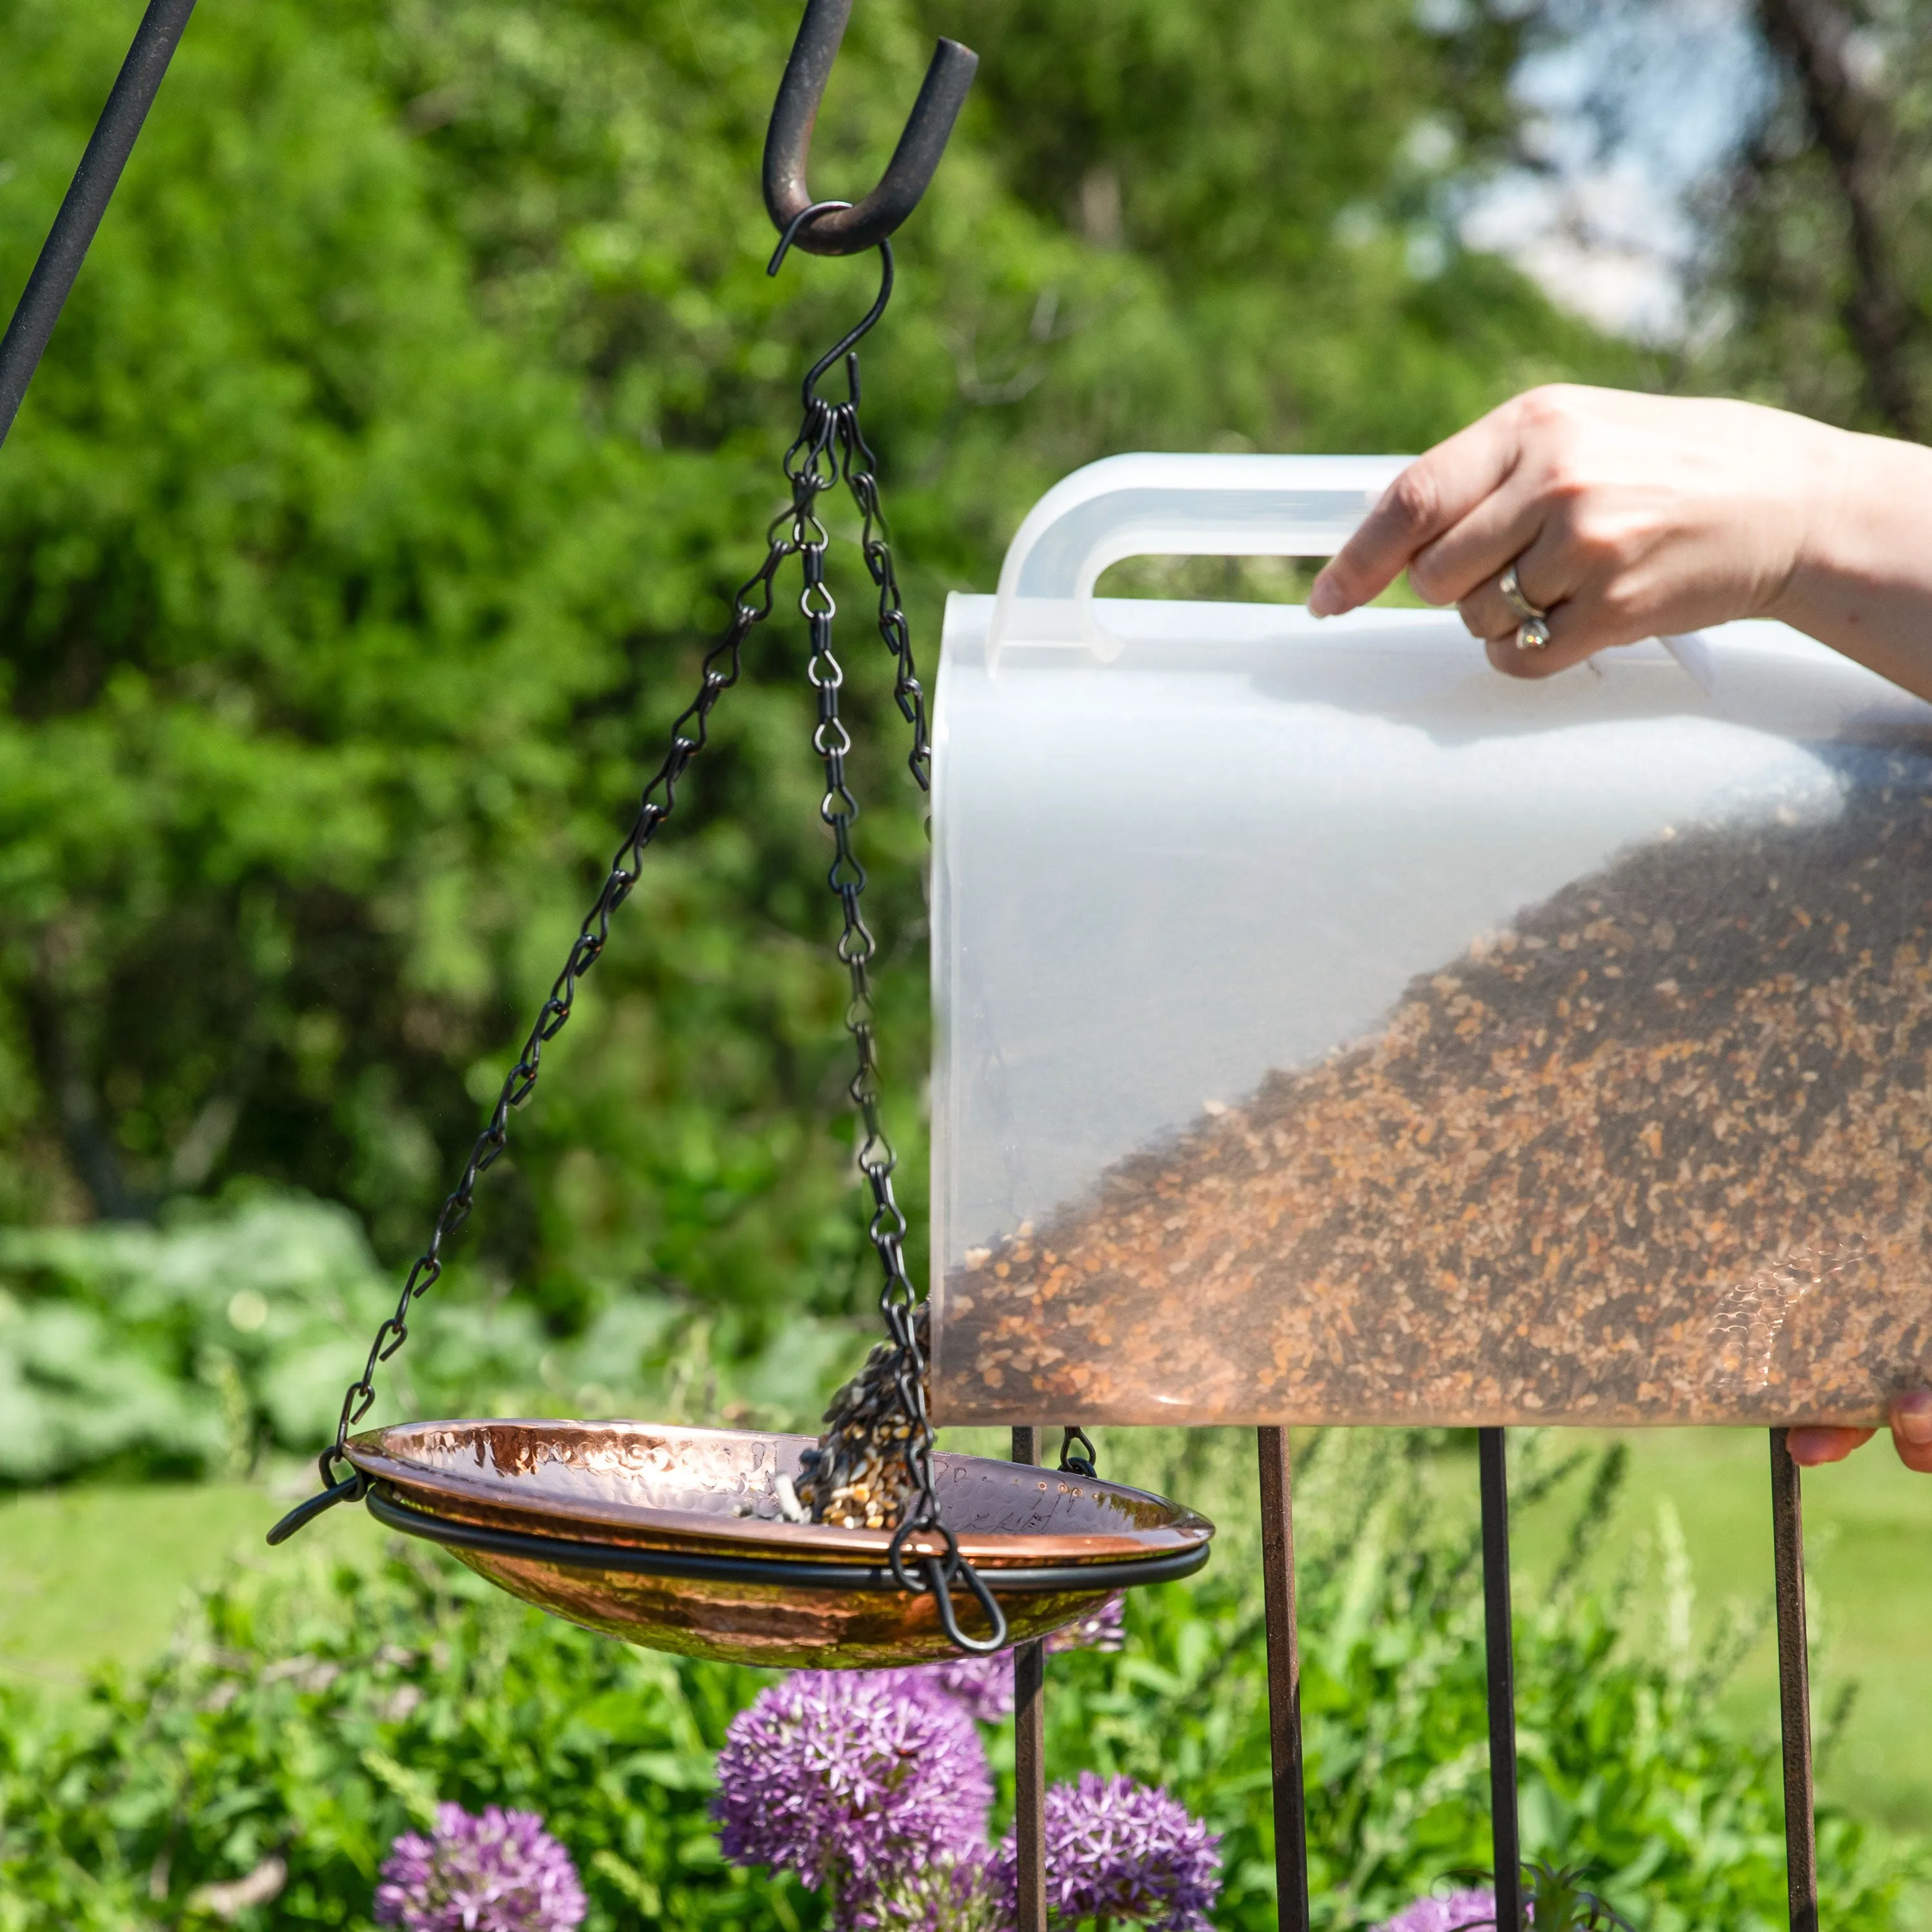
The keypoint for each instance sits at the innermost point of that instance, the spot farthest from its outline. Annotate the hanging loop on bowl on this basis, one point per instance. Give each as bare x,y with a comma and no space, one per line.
948,1618
851,230
943,1569
351,1489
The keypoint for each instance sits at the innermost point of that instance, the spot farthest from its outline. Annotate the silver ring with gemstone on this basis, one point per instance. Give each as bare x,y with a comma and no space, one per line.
1532,635
1512,595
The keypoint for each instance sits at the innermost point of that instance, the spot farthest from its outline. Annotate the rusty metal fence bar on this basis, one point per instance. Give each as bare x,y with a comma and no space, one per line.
1030,1754
1499,1641
1284,1674
1794,1686
94,181
1285,1684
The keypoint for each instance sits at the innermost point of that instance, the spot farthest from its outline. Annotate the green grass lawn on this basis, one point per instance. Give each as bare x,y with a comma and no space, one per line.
89,1575
1868,1531
99,1574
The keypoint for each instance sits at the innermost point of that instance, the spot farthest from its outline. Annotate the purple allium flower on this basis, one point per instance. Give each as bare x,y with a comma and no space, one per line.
1448,1913
982,1686
847,1778
500,1873
1116,1849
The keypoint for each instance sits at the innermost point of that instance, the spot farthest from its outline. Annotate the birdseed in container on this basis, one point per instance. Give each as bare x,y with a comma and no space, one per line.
1661,1150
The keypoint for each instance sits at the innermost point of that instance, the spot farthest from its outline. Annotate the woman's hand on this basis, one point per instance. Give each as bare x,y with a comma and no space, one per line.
1631,516
1634,516
1911,1434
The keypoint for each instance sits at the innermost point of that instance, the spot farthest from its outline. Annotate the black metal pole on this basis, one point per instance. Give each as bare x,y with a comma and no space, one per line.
88,196
1029,1753
1284,1669
1505,1833
1794,1686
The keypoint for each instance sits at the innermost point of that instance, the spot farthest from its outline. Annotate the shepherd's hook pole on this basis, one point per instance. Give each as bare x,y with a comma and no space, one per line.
92,188
1505,1834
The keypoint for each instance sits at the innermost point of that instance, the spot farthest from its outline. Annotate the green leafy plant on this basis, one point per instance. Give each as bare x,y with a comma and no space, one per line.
301,1725
197,1347
1629,1768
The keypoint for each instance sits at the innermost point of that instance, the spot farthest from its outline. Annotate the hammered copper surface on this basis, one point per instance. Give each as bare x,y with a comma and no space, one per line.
1661,1152
714,1492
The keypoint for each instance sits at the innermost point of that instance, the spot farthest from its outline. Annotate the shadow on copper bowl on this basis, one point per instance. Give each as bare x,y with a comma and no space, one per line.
675,1538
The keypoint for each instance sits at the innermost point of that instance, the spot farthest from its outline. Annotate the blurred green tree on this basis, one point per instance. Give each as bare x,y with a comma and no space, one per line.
1803,188
1822,264
416,413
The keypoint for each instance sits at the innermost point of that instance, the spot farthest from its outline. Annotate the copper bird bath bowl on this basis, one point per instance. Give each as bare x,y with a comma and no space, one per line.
675,1538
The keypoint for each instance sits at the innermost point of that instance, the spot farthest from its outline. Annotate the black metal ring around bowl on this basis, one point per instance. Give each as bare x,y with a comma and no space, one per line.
576,1554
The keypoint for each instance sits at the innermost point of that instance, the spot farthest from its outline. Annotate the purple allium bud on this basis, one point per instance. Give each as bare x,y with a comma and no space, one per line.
1106,1629
1451,1912
847,1776
984,1685
972,1892
1116,1849
500,1873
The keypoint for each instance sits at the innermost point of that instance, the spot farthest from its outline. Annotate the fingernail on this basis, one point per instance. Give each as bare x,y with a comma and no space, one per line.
1325,600
1807,1447
1912,1415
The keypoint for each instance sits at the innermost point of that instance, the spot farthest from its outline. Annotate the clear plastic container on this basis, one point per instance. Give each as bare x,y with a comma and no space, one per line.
1331,1029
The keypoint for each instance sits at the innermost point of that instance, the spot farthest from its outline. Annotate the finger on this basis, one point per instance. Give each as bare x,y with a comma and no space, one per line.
1487,612
1912,1430
1810,1447
1546,575
1434,493
1500,528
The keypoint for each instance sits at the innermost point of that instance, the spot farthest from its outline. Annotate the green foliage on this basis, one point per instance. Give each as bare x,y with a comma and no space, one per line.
313,1722
195,1347
1819,268
417,410
311,1716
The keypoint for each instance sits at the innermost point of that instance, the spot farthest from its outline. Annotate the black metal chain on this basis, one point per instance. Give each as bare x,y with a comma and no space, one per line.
689,735
830,448
1078,1455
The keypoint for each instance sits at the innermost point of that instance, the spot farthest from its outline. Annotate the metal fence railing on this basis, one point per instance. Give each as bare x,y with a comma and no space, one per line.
1284,1676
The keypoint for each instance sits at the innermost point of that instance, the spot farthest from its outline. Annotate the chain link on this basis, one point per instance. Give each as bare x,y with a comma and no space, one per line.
830,448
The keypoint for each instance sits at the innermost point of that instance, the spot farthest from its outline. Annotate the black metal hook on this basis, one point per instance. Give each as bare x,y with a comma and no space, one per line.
850,339
843,229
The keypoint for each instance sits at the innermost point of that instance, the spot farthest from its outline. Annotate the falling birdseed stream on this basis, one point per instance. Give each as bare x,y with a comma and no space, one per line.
856,1476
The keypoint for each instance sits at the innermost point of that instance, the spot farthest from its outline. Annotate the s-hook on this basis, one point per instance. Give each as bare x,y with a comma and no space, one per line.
841,229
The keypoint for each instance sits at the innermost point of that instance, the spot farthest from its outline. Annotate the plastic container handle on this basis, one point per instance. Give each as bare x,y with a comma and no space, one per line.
1169,506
